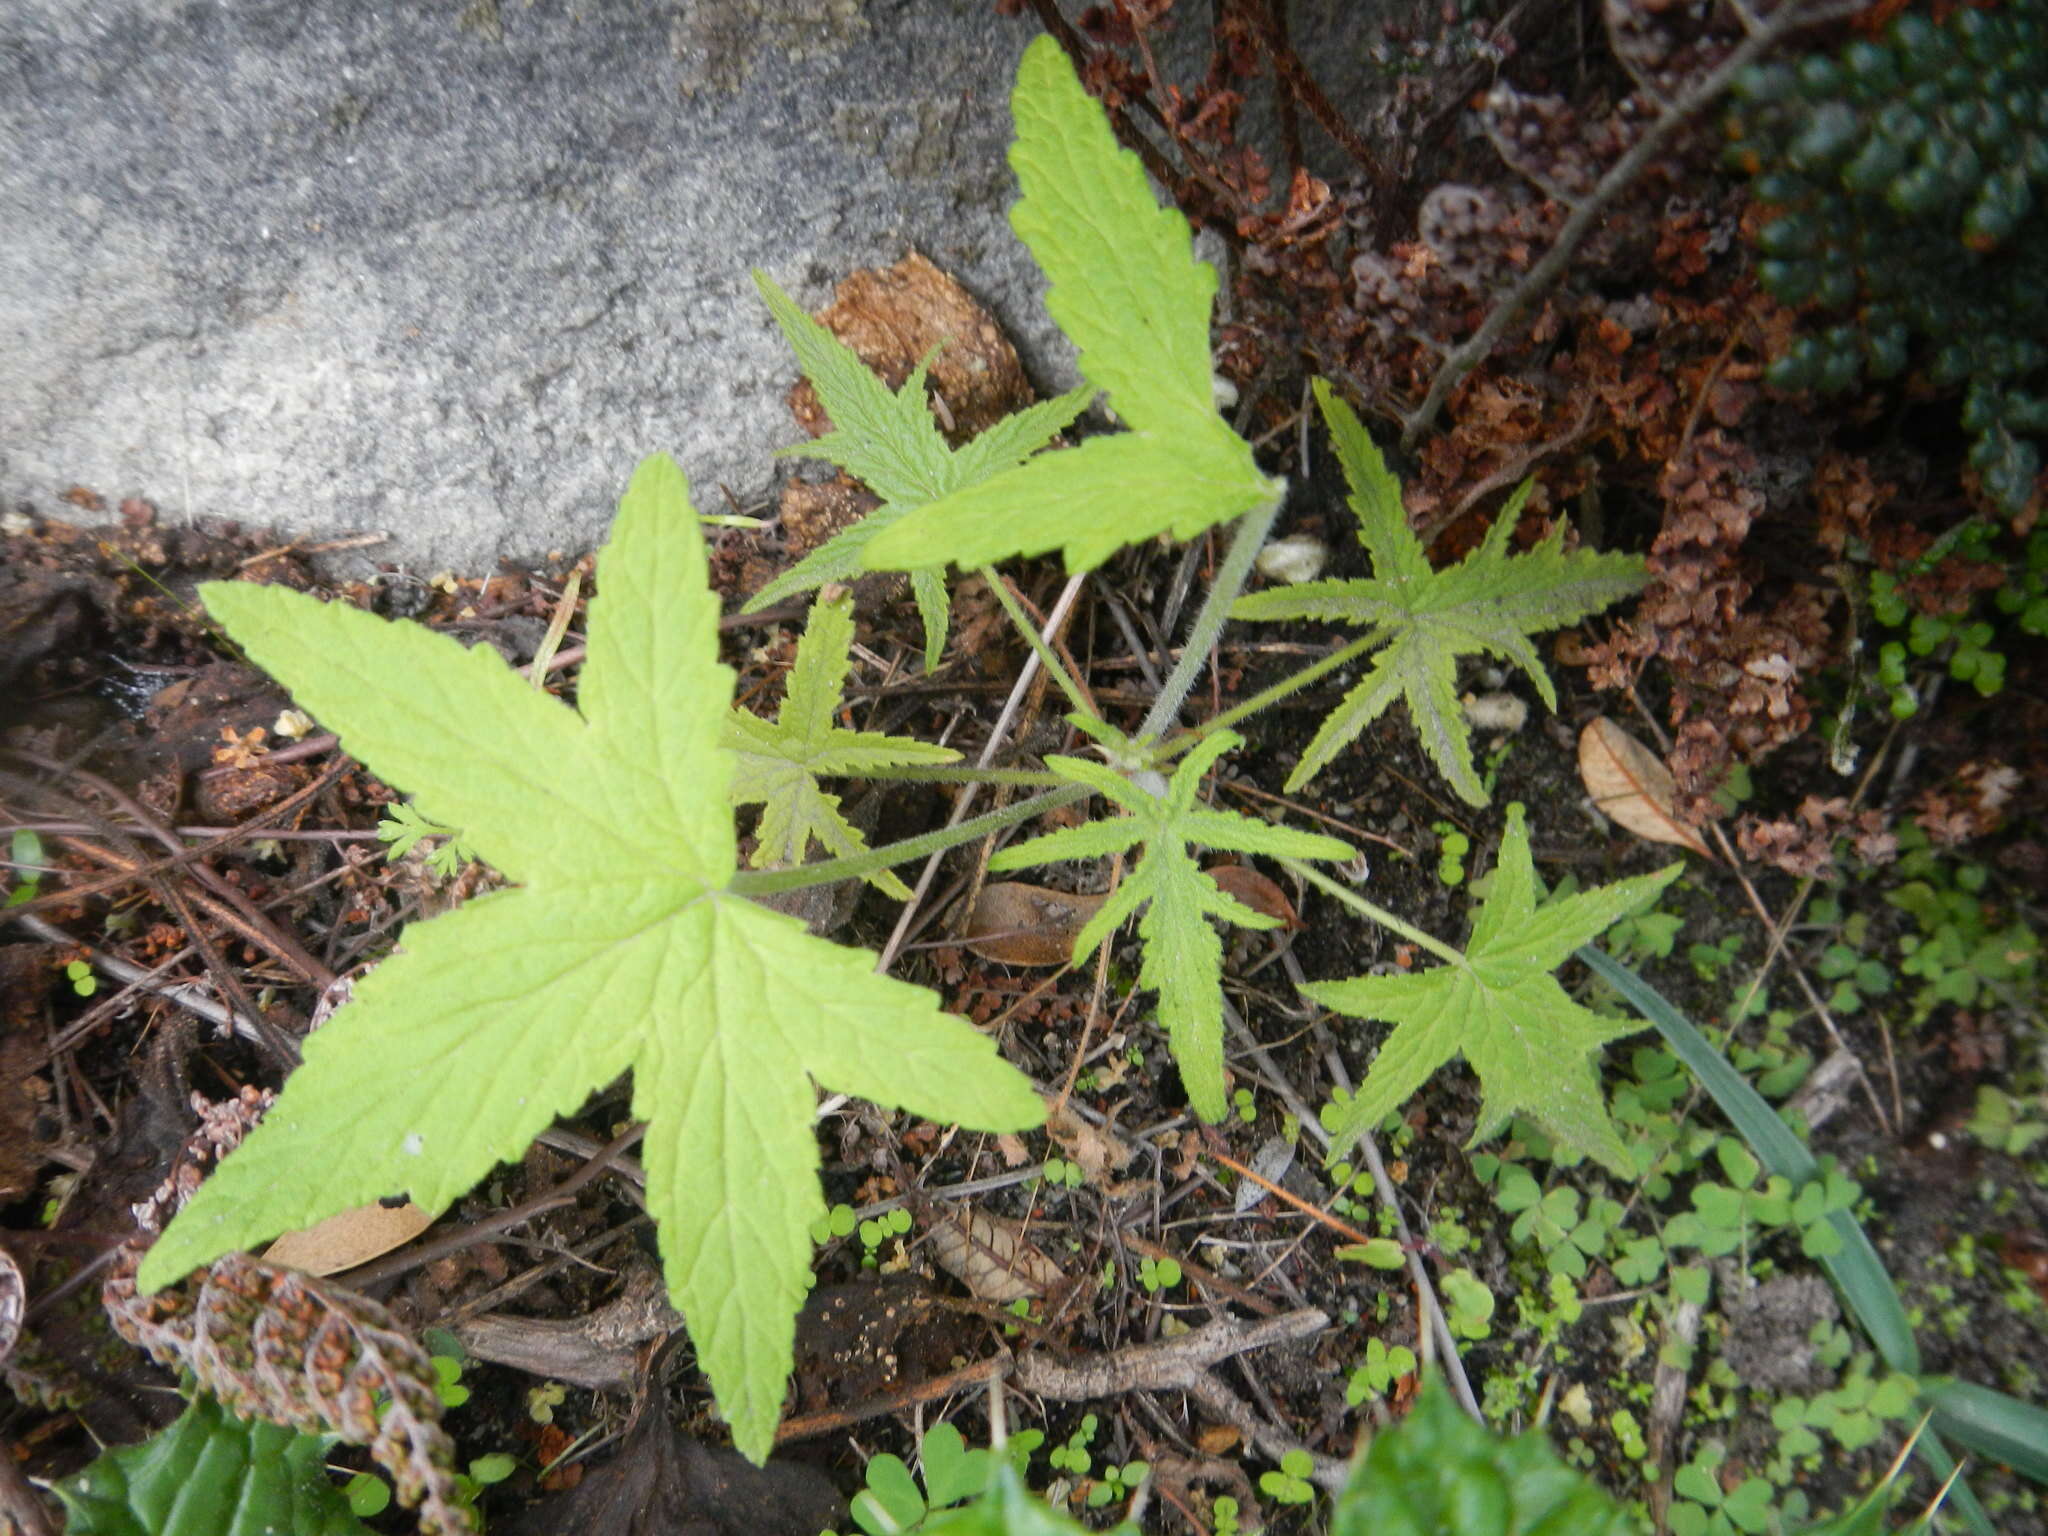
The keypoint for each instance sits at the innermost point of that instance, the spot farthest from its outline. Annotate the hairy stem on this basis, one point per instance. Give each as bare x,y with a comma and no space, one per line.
1041,645
948,773
1378,914
1236,570
766,882
1267,697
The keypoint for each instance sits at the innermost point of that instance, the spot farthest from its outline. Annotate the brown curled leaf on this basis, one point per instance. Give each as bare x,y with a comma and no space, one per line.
1018,924
1631,786
992,1257
349,1238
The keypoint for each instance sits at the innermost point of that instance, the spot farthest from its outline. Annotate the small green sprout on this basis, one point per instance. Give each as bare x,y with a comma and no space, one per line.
543,1400
881,1230
25,853
448,1381
1073,1458
1451,851
1289,1483
1062,1173
1375,1252
837,1222
1468,1304
1380,1369
1117,1483
1159,1274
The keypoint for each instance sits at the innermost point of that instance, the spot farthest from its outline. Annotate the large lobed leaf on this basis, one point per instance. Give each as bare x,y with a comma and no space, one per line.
1127,289
1183,957
621,949
781,761
1490,602
1500,1006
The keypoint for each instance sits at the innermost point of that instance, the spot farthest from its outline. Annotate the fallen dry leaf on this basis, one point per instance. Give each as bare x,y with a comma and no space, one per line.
350,1238
992,1257
1631,785
1218,1439
1018,924
1099,1151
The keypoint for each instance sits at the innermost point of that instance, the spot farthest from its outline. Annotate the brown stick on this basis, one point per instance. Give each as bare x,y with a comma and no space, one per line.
1175,1364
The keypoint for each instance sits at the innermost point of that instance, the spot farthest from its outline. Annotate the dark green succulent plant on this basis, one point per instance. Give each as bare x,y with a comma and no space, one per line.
1906,177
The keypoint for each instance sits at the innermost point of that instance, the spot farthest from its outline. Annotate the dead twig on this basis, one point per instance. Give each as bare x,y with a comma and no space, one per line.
1055,622
1165,1365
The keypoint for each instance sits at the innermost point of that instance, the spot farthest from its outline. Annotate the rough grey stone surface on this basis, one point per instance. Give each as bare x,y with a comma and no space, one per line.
449,268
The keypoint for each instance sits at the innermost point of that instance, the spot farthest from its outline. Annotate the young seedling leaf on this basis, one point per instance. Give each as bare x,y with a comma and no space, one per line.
1501,1007
1490,602
1127,289
1183,957
779,763
890,441
621,948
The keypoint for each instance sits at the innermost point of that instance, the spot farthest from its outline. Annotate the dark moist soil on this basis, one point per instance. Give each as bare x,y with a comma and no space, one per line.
107,672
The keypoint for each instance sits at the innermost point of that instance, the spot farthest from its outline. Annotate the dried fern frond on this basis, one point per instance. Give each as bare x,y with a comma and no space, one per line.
272,1343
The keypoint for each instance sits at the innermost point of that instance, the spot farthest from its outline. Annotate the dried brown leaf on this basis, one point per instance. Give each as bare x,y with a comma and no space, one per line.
1099,1150
1255,891
1018,924
992,1257
349,1238
1631,785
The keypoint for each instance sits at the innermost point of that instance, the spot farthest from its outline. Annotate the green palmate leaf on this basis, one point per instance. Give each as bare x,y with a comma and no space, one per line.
1183,957
210,1473
1127,289
1490,602
890,441
779,763
1500,1007
622,948
1437,1473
